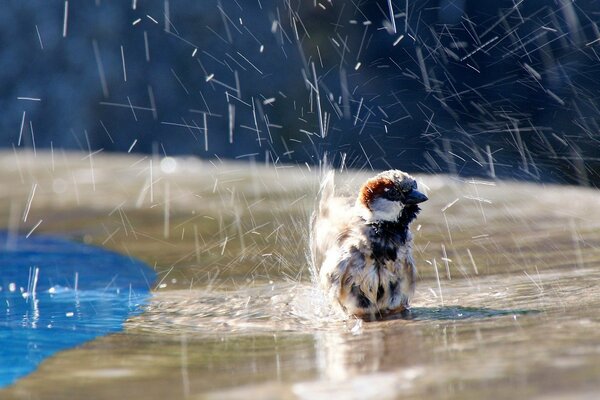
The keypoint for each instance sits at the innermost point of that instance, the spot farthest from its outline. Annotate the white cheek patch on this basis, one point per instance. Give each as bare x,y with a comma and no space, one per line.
383,210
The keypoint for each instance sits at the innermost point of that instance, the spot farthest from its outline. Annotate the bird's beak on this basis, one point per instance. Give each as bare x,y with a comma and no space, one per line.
415,197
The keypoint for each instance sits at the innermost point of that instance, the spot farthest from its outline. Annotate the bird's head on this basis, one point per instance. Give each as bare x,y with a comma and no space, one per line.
389,195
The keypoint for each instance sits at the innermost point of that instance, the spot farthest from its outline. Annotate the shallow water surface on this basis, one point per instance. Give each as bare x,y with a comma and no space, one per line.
234,315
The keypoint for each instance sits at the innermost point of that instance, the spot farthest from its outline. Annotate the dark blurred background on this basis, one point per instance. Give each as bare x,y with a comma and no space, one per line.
484,88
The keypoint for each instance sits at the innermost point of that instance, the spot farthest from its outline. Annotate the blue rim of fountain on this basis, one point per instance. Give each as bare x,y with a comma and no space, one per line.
57,294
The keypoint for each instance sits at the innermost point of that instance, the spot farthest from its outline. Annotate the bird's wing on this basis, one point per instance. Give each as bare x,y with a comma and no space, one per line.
326,192
329,220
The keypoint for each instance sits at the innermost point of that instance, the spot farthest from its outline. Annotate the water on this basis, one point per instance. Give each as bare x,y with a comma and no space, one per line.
234,314
56,294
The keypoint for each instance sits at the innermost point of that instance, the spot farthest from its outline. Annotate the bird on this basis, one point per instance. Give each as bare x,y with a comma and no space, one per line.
362,248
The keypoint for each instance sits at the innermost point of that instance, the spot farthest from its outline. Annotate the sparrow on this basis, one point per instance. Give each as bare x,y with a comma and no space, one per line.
362,247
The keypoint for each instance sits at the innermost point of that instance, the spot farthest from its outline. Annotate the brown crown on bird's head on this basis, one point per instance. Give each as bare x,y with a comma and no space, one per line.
393,186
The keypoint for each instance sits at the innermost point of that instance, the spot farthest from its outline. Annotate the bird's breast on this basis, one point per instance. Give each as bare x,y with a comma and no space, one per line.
386,241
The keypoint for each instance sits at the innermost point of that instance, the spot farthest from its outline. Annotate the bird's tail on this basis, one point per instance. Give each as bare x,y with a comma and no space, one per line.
320,214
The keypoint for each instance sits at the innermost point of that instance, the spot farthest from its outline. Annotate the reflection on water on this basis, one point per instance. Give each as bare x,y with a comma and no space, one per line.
56,294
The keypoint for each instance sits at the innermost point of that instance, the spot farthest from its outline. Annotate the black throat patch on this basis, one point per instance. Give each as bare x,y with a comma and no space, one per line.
386,236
